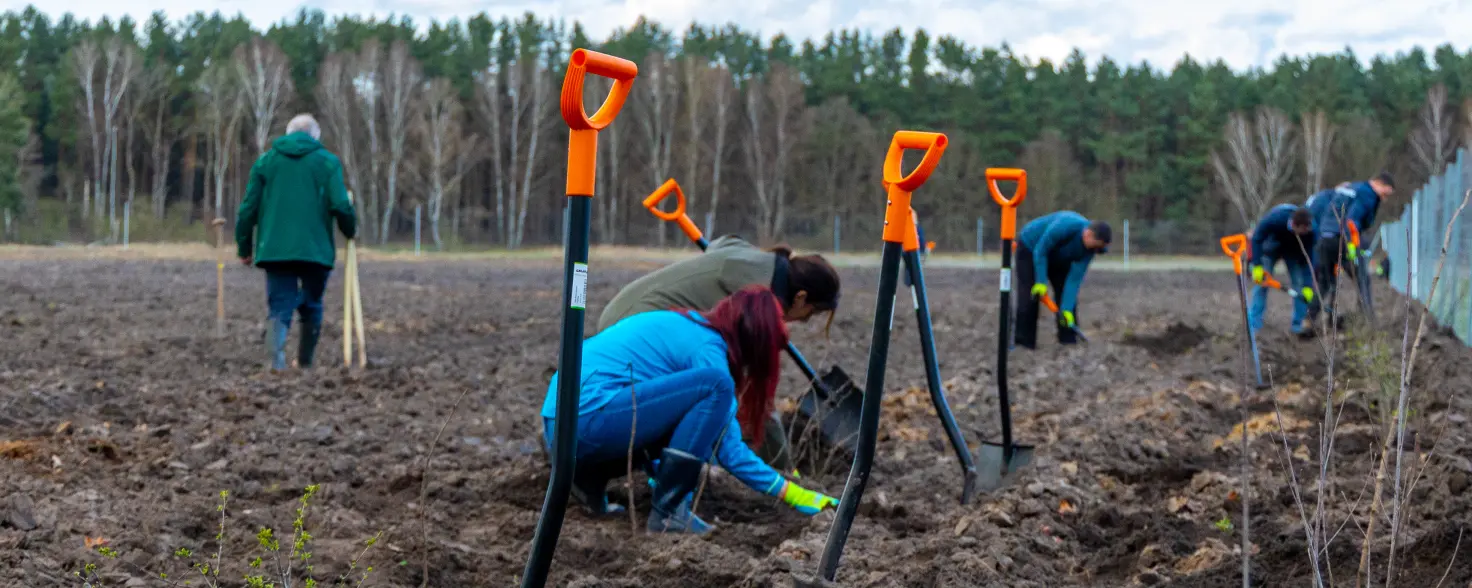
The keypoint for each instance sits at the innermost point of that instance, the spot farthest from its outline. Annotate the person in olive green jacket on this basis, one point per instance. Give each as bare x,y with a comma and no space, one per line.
284,226
806,284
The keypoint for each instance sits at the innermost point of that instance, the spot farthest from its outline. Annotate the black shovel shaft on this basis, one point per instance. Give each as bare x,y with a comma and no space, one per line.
802,362
1247,327
569,365
932,364
1004,325
858,475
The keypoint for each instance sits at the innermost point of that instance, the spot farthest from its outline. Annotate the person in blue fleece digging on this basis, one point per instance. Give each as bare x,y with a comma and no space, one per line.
697,380
1285,233
1055,248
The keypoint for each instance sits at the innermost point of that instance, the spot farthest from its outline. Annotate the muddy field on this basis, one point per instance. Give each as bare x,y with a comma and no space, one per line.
122,418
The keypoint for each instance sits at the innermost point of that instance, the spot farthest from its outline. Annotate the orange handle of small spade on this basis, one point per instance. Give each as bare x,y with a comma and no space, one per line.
897,214
1049,304
677,216
582,145
1235,246
1009,205
1354,233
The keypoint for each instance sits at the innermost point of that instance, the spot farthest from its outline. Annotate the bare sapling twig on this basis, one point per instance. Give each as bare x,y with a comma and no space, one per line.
423,466
633,430
705,473
1455,549
1403,401
1308,530
1246,471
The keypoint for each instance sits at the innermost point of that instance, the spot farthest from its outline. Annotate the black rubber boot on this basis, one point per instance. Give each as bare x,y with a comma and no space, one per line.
590,485
308,348
679,474
276,346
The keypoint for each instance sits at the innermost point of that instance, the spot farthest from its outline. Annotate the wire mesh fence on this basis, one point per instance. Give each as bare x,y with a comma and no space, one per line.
1413,246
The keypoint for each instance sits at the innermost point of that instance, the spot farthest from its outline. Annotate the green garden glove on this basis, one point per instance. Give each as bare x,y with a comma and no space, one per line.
1039,289
1354,253
1258,273
1308,294
806,501
1068,319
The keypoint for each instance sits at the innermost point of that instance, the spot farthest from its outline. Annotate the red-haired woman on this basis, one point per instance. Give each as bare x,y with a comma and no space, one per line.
697,379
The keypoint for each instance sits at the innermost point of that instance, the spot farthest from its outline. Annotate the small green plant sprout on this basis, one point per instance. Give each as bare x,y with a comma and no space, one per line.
1224,525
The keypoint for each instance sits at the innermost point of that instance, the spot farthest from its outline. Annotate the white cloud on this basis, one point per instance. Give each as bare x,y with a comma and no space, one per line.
1244,33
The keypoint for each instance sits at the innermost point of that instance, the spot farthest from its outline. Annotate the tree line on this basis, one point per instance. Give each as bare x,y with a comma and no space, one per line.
772,137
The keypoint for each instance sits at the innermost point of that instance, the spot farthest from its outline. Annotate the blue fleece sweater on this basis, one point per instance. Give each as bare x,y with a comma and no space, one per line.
1059,238
1357,202
653,344
1274,236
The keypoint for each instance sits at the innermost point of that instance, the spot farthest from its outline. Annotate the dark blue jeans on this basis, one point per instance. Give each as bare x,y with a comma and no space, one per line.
685,410
293,287
1300,276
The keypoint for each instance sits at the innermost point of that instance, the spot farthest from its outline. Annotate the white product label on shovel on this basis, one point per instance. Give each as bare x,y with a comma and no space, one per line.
891,311
914,300
1006,285
579,286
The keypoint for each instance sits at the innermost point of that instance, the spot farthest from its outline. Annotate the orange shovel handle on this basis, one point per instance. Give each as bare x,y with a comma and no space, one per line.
1235,246
1048,302
1354,233
1009,205
582,146
677,216
898,219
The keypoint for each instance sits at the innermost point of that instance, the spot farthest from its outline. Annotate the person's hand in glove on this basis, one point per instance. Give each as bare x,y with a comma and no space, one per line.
1066,317
1354,253
1308,294
1258,274
805,501
1039,289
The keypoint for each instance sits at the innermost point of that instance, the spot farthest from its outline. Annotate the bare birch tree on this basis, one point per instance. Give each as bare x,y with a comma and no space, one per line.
264,75
1363,148
1432,141
1318,142
220,116
514,99
444,147
723,103
694,70
368,88
1257,165
774,124
85,58
658,95
402,82
121,64
336,98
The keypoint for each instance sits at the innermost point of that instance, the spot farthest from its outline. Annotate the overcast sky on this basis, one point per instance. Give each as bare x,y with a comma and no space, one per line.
1245,33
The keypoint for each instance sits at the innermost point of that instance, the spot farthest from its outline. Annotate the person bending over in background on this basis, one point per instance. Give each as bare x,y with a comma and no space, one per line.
697,380
1333,211
284,226
1056,248
1285,233
805,284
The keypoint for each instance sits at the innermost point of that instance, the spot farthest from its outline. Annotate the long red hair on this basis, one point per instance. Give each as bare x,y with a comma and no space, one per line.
750,322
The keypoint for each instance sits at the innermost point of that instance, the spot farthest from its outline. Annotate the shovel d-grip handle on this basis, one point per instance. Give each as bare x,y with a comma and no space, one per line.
898,219
582,145
676,216
1009,205
1235,246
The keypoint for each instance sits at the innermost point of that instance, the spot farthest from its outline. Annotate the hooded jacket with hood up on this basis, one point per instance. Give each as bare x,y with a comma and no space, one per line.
295,193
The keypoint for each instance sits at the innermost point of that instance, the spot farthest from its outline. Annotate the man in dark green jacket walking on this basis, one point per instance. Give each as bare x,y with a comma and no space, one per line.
284,226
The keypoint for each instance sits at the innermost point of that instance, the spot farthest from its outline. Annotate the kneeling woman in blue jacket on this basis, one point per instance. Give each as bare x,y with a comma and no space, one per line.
696,379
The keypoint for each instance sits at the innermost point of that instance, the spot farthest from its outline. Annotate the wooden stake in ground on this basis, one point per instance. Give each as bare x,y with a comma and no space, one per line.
219,225
352,307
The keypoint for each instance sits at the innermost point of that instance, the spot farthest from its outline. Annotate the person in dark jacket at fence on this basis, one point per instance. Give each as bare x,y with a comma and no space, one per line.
1285,233
284,226
1055,248
1333,212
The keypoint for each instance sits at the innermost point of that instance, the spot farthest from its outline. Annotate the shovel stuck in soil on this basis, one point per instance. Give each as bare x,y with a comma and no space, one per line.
999,461
897,224
1235,247
582,153
1053,307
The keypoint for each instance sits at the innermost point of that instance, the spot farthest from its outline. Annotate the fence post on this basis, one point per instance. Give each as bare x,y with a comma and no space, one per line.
127,221
1126,244
417,209
1415,246
979,241
835,234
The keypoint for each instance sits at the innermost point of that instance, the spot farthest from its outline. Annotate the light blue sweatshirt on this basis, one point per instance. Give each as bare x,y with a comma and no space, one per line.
653,344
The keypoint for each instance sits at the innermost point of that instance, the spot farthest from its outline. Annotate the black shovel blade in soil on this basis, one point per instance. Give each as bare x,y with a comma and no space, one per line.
992,468
834,402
